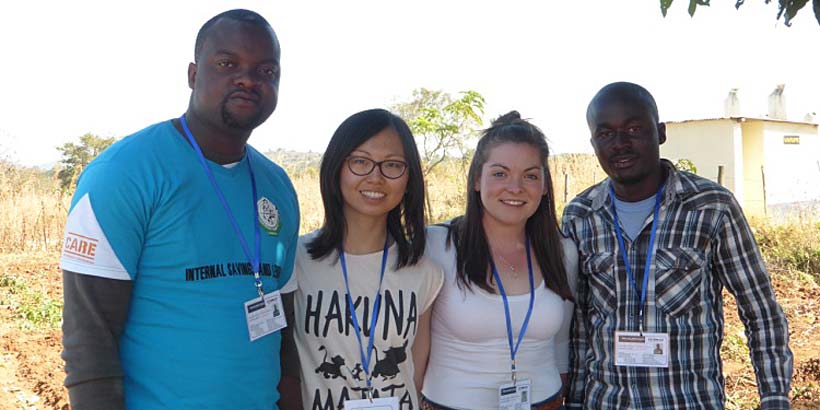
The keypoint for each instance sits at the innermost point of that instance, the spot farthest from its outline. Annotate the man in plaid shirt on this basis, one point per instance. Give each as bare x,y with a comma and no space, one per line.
656,248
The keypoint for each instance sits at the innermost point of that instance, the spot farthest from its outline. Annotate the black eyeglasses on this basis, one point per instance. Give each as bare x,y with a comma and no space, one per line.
391,168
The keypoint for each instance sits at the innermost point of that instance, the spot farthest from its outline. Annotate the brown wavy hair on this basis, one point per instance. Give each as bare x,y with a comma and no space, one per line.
467,231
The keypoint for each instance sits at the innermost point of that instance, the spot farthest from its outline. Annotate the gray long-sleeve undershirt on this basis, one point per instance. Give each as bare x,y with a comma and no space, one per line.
94,313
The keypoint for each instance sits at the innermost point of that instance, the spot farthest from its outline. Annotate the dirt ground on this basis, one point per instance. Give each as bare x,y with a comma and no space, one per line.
31,371
800,299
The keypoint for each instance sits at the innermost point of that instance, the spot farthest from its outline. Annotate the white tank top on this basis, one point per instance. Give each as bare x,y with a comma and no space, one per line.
470,353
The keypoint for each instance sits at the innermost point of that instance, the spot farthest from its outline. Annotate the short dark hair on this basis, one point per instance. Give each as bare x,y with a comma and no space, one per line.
405,222
623,89
467,231
241,15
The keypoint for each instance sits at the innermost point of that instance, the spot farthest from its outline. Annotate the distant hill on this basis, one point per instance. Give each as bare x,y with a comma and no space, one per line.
46,166
300,161
294,160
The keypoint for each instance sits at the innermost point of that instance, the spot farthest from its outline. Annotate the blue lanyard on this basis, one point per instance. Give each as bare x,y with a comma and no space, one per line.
649,252
373,318
254,260
514,347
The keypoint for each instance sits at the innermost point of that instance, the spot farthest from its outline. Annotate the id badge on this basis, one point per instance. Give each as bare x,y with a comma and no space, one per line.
641,350
514,396
265,316
380,403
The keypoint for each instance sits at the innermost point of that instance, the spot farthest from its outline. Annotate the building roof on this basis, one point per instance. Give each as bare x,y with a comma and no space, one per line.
743,119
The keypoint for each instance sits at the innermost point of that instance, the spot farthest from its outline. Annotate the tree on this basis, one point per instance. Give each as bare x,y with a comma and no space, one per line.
77,155
443,124
687,165
786,8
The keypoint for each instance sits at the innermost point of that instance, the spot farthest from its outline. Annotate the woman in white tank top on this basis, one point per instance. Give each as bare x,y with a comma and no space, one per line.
500,323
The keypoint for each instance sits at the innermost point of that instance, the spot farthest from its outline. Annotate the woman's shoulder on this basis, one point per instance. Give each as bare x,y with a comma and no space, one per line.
426,276
439,235
307,238
570,250
439,245
438,231
302,255
431,271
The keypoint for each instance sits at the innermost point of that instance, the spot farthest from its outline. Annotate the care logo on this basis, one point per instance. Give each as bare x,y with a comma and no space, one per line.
80,247
268,216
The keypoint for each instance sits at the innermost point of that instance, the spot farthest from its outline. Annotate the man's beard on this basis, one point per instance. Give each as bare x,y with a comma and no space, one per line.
246,125
631,179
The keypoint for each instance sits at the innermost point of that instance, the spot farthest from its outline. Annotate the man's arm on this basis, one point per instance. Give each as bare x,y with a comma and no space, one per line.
94,313
290,395
740,267
575,384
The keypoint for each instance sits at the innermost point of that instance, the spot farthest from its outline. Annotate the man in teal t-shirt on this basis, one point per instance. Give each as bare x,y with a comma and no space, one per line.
175,235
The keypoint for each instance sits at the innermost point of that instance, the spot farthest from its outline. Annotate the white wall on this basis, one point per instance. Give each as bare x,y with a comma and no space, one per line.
753,201
708,144
792,171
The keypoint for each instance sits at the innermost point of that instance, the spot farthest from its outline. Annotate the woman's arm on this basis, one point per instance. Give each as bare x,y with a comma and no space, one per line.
421,349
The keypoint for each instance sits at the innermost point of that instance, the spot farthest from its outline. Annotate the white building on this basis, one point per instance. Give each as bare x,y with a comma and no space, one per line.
769,164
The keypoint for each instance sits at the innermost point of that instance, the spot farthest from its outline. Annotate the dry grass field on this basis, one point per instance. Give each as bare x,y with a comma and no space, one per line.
31,226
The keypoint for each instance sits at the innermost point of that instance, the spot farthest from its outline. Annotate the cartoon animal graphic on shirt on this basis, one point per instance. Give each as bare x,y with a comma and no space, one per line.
357,372
388,367
331,369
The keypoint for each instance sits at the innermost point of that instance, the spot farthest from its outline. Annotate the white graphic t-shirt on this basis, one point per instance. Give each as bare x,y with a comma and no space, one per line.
332,369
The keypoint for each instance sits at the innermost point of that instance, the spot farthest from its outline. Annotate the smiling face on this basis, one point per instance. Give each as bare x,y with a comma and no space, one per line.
511,184
373,196
235,80
626,136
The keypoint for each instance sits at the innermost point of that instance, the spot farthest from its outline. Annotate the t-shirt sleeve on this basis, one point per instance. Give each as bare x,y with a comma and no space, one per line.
436,245
106,225
294,245
435,279
293,283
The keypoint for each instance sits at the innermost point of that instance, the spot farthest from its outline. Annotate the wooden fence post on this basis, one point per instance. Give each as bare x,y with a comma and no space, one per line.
763,177
566,188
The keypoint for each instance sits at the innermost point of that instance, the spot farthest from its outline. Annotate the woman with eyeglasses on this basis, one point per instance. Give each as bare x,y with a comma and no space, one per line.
361,287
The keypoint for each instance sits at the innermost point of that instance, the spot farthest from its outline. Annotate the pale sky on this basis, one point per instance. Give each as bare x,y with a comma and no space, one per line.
114,67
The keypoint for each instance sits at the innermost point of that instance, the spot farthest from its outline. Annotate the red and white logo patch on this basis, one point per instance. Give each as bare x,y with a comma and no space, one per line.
82,248
86,249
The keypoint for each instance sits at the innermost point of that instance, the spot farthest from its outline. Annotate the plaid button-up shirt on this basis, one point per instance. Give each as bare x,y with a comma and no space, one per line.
703,244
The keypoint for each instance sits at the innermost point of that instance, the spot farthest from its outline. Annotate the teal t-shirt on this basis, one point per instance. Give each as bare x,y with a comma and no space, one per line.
186,341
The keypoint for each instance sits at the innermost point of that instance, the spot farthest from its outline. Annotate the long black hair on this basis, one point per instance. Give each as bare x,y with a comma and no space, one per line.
467,231
405,222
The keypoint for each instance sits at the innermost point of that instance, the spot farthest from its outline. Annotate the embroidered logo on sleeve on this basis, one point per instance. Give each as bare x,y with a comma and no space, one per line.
268,216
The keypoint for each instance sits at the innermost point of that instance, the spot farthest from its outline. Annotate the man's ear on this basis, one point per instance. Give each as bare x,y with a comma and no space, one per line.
191,75
661,133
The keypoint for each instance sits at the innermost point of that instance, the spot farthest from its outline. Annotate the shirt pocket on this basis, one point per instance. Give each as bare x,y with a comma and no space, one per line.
599,268
678,279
